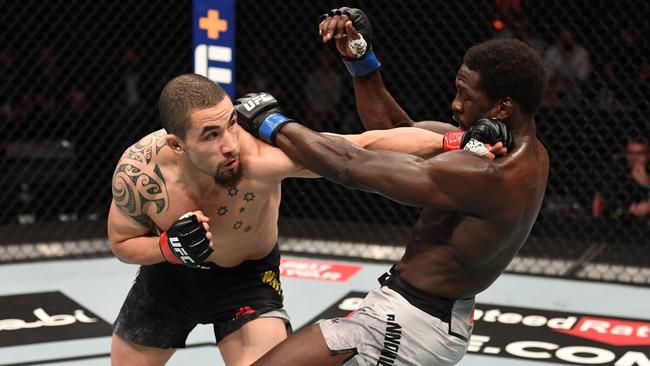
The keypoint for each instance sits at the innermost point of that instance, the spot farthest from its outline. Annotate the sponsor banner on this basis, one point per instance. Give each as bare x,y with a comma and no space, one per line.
541,335
46,317
317,270
560,337
213,41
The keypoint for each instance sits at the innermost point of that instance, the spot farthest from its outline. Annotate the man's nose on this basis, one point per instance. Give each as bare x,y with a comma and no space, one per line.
229,144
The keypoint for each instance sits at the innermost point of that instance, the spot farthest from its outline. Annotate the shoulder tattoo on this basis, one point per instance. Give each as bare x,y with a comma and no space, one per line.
138,180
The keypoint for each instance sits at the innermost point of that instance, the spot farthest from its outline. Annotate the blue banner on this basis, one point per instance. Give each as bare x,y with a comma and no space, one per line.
213,41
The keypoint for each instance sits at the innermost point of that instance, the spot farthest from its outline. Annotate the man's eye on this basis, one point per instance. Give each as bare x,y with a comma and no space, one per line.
212,135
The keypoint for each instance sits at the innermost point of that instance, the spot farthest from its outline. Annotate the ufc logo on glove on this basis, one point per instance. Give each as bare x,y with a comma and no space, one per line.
254,102
178,248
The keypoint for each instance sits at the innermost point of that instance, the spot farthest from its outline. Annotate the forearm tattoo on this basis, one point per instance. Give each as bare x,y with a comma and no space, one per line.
137,182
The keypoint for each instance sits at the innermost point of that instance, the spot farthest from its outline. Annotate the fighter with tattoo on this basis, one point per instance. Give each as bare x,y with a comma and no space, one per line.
196,204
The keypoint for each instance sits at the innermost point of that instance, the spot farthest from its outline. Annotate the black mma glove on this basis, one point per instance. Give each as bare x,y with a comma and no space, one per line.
260,115
485,131
367,61
185,242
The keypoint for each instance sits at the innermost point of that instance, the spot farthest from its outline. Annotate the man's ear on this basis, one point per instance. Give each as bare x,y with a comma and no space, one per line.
175,143
504,108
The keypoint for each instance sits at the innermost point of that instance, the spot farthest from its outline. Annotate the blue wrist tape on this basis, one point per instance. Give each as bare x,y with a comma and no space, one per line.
269,125
362,66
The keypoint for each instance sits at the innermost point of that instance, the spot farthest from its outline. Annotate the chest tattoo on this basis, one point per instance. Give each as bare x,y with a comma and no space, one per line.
249,196
233,191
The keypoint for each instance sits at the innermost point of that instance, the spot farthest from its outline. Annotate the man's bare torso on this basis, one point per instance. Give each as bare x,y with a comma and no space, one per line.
243,218
456,255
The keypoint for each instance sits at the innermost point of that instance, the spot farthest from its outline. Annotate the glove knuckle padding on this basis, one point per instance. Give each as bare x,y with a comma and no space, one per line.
489,131
192,235
253,111
184,226
251,108
359,19
361,23
329,14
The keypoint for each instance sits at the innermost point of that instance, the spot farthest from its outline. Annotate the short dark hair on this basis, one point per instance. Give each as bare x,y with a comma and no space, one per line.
509,68
637,139
183,95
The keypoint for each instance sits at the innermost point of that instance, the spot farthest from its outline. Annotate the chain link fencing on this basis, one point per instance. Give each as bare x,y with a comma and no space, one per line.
80,82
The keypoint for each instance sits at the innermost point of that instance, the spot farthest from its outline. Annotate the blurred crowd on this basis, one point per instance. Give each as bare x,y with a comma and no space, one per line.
606,87
62,120
58,132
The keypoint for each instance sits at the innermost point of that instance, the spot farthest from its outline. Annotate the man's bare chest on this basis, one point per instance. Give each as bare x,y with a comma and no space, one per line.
231,210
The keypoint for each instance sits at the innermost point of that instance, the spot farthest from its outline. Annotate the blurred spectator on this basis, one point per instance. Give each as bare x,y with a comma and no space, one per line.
8,78
132,97
49,81
628,193
81,123
323,92
49,87
621,75
566,59
568,65
607,88
516,25
40,107
643,88
77,115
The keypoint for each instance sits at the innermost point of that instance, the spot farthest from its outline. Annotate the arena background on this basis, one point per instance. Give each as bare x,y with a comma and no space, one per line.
80,82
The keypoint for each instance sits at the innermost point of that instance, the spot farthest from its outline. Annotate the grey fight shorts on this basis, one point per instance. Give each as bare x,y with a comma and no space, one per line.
398,324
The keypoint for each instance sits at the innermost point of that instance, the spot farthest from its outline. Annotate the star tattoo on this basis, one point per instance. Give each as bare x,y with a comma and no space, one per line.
237,225
232,191
242,209
249,196
222,210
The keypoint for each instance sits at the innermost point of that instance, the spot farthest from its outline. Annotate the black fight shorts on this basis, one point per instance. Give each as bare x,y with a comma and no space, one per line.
167,301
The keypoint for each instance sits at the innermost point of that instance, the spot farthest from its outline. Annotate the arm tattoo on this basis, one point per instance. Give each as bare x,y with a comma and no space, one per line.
137,184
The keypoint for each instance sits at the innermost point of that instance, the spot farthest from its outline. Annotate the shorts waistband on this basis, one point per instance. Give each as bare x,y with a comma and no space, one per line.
436,306
271,260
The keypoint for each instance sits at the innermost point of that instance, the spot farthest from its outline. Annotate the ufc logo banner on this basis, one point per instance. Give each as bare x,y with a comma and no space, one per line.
213,42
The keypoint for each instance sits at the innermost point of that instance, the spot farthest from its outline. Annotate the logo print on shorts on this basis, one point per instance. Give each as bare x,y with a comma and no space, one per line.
272,279
391,342
244,310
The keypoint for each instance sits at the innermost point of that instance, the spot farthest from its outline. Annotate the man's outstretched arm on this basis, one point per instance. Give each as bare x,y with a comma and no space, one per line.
406,140
439,182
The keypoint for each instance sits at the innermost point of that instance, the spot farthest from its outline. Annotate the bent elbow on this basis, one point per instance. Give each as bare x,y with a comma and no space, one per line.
120,254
